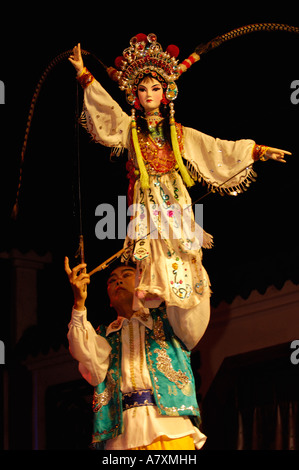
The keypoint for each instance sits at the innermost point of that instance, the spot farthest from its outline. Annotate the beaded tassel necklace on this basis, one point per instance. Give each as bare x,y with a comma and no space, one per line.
153,119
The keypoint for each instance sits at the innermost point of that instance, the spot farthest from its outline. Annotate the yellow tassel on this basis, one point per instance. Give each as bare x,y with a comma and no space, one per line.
144,178
176,149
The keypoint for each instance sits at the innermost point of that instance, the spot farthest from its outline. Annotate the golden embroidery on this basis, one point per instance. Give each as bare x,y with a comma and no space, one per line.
132,354
138,398
141,357
131,340
101,399
143,315
180,379
159,157
174,411
169,411
172,390
159,335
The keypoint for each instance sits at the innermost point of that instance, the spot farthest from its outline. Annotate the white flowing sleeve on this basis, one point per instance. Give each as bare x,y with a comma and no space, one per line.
104,119
88,348
215,161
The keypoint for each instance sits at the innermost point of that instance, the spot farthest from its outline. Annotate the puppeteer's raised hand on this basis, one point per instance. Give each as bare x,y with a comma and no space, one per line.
76,59
79,279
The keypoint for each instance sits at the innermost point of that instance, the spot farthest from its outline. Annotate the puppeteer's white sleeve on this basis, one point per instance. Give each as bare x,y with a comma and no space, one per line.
88,348
104,119
219,162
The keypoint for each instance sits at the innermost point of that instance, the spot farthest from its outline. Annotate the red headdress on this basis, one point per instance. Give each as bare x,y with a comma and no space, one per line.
146,56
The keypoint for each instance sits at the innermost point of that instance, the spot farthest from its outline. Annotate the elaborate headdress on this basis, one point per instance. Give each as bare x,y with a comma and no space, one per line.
145,56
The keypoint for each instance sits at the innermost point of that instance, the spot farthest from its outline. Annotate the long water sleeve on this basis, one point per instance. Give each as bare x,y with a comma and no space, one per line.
215,161
103,118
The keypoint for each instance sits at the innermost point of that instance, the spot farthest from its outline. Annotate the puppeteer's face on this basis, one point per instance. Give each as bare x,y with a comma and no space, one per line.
150,94
121,285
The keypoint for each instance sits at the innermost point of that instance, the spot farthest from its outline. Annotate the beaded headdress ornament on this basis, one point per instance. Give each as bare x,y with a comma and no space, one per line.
145,56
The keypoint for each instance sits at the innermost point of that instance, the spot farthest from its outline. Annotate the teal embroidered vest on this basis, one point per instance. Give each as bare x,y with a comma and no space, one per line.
168,361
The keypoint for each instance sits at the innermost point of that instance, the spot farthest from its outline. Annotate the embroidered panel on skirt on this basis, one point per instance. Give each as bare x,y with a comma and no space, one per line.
167,243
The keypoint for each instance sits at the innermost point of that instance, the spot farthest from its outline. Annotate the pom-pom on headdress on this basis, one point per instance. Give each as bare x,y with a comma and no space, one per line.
146,56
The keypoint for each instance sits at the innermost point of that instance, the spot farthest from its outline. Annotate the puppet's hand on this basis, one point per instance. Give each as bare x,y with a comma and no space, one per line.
76,59
276,154
78,279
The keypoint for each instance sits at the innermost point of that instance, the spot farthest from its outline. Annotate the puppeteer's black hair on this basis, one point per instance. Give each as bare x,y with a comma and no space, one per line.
118,264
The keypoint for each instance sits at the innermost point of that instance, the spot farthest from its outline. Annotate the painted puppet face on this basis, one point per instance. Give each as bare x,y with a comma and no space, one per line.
150,94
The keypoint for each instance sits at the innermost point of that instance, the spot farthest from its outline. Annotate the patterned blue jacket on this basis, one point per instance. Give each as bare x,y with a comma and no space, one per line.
168,361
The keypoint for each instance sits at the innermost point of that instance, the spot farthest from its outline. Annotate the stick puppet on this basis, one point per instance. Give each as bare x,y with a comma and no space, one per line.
164,159
163,238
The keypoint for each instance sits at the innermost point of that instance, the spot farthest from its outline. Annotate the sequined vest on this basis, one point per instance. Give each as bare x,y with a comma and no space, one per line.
168,361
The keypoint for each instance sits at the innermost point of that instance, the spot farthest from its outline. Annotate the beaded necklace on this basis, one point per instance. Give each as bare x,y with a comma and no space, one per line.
153,119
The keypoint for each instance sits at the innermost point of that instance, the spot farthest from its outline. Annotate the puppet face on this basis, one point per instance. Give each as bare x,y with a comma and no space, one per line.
121,285
150,94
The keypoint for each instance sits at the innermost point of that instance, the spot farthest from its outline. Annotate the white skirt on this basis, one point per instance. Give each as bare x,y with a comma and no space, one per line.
166,243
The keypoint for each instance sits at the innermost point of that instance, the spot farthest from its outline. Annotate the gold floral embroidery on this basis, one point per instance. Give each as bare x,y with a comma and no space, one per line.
169,411
174,411
180,379
159,158
143,315
101,399
159,335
